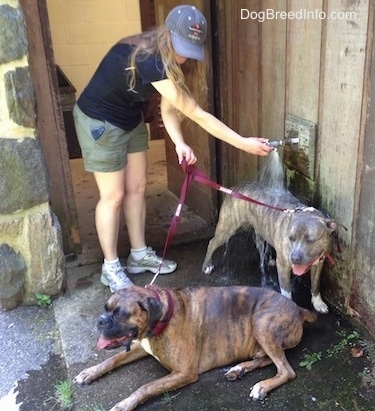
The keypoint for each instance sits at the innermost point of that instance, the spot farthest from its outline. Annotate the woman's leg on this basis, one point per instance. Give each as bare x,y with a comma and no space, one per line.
107,215
104,151
107,218
142,258
135,198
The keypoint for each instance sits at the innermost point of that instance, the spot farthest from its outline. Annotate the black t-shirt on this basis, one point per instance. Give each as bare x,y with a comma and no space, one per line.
107,96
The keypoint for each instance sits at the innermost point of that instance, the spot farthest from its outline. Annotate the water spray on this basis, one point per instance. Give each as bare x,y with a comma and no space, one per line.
285,142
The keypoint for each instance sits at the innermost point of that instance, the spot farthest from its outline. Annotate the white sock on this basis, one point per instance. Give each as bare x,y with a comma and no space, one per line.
111,263
138,253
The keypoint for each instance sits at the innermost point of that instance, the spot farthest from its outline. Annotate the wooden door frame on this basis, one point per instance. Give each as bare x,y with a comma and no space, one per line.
50,121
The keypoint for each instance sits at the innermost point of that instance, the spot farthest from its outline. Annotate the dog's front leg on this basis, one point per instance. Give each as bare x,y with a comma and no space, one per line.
284,273
88,375
170,382
316,299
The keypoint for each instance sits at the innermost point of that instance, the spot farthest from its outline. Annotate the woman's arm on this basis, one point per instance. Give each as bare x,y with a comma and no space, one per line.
173,126
189,107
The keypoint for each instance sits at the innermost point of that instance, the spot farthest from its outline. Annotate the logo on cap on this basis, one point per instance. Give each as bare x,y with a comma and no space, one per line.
195,32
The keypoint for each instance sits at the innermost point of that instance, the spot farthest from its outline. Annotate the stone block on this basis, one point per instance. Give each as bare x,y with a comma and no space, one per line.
13,44
46,267
23,175
12,277
20,96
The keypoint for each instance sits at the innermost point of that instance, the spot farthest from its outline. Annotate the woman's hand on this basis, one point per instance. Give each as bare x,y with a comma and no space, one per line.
185,152
255,145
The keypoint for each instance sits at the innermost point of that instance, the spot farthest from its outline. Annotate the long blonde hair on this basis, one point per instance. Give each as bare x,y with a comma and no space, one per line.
189,78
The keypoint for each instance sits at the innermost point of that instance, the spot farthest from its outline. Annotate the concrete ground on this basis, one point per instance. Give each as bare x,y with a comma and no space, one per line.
41,346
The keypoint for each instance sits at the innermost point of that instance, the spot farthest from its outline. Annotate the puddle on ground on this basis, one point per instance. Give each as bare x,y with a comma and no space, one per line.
37,392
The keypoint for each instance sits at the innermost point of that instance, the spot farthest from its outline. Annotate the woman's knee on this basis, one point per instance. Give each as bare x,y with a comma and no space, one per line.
112,199
137,187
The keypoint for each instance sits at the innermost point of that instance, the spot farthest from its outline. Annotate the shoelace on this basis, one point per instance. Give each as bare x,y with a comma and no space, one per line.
151,254
119,279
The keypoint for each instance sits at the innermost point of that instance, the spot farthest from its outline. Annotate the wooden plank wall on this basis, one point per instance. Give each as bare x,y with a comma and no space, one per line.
361,297
236,71
340,113
316,69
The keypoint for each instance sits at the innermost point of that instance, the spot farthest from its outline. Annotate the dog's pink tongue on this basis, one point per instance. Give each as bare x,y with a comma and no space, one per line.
300,269
103,342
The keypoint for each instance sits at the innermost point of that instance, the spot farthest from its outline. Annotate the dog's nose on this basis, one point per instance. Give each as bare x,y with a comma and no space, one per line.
103,320
296,257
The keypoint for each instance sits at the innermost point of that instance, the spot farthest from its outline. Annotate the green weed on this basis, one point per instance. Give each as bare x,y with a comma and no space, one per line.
346,341
43,300
64,394
309,359
168,398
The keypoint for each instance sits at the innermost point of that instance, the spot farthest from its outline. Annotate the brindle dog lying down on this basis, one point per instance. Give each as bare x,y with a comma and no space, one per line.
193,330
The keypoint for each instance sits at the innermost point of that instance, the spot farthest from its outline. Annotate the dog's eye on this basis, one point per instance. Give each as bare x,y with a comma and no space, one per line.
116,312
310,238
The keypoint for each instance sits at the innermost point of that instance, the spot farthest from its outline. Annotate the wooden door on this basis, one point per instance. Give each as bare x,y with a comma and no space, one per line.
200,198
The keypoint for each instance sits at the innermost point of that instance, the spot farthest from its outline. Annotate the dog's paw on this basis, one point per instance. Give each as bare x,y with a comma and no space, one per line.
125,405
258,392
319,305
234,373
207,269
85,377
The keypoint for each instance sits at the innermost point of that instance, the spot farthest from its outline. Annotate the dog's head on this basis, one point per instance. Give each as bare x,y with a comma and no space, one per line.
129,315
310,238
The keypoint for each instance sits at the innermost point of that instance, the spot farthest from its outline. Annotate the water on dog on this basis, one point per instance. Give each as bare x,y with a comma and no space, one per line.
241,262
271,175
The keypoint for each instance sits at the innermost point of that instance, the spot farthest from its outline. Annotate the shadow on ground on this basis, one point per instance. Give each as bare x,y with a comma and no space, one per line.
66,334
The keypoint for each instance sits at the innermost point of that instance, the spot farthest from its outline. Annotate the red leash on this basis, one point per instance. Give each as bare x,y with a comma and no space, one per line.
199,176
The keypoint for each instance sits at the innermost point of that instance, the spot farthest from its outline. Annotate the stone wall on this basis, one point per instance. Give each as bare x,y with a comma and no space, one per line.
31,253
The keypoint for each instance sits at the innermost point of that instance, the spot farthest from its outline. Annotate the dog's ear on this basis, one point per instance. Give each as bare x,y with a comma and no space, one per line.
331,225
154,309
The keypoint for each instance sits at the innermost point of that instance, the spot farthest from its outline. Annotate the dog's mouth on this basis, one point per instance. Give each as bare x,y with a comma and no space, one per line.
111,343
300,269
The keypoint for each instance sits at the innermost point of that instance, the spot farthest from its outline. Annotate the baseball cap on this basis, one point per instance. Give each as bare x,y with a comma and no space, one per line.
188,29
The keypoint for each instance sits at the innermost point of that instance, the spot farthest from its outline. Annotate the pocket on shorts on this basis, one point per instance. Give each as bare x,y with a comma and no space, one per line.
97,129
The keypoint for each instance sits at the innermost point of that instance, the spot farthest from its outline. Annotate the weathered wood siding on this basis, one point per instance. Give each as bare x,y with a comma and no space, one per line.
319,69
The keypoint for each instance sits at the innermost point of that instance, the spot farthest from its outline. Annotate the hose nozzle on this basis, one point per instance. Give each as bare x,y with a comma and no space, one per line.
285,142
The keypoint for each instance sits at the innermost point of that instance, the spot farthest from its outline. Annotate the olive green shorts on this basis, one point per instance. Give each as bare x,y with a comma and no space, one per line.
104,146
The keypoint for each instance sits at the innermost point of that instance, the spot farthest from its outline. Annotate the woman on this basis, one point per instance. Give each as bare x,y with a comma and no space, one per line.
113,135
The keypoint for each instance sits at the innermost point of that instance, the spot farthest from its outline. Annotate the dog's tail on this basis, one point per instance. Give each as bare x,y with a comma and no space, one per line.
308,315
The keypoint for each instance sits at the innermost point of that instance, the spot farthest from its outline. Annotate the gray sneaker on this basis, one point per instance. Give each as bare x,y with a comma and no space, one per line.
115,278
151,262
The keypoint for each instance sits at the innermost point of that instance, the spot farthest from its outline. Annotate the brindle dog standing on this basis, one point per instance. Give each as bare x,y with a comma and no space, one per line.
206,327
301,237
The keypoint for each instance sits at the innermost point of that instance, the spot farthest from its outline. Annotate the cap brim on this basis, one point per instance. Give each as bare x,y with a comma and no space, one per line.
187,49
